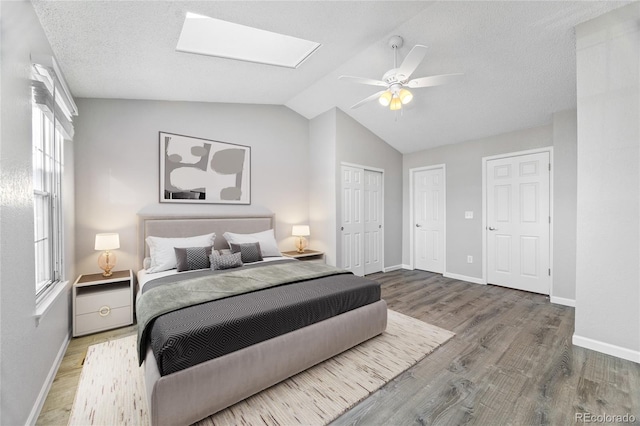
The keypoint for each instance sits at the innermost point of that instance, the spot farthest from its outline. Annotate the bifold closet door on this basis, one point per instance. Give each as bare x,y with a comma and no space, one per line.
361,220
372,212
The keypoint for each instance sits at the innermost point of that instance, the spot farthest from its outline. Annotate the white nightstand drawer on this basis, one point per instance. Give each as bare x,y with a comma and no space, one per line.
91,299
106,319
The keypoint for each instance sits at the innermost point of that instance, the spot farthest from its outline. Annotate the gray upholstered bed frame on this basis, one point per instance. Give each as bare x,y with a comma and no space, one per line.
192,394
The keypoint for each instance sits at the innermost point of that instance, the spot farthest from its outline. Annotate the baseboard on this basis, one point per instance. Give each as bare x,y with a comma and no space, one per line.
606,348
392,268
407,267
42,396
464,278
563,301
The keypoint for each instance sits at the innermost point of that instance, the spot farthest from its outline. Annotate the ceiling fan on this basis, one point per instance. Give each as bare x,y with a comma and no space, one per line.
396,80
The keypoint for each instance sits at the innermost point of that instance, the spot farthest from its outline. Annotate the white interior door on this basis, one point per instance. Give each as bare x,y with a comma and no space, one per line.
352,234
429,220
372,212
518,217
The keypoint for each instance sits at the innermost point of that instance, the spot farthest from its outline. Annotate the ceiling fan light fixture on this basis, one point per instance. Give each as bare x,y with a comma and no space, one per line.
397,80
405,96
396,104
385,98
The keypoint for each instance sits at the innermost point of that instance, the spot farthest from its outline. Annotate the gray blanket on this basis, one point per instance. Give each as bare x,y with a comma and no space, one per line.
192,291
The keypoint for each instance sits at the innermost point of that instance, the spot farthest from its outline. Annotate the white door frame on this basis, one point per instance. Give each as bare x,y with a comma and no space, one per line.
373,169
548,149
412,173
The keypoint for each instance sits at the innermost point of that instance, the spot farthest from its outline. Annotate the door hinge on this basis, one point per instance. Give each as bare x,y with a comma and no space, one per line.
549,271
549,219
549,166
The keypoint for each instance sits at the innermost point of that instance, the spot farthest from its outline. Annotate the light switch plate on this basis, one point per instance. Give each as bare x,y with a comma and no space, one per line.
468,215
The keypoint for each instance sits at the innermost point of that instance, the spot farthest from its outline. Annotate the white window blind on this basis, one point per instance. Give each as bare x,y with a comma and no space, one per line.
51,94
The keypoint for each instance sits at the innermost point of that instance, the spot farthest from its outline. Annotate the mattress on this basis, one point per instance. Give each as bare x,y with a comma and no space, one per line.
192,335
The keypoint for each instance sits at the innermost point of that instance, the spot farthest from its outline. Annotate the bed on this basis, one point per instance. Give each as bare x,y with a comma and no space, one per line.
194,391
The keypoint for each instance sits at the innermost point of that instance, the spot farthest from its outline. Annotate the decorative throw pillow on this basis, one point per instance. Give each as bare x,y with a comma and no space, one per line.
250,251
192,258
267,240
163,257
225,261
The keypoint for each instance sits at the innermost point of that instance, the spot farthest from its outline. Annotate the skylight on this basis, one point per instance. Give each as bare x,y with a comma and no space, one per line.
209,36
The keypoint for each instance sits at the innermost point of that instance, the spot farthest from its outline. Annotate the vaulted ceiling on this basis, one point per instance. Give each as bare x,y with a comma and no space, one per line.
518,59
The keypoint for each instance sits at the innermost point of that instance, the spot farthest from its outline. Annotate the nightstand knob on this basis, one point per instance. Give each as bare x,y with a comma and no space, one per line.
104,311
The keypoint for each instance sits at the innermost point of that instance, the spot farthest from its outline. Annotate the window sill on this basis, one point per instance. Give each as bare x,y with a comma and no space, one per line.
43,306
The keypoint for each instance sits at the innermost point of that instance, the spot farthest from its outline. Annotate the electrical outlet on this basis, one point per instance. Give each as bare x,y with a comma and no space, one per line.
469,259
468,215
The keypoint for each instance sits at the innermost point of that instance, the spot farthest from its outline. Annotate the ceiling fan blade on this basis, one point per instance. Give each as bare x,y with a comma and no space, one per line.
362,80
434,80
411,62
369,99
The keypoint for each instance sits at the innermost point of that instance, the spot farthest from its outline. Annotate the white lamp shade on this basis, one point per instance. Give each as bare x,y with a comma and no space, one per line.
396,104
109,241
300,230
385,98
405,96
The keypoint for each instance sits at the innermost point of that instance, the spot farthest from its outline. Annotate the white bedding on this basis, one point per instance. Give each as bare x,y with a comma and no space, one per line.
144,276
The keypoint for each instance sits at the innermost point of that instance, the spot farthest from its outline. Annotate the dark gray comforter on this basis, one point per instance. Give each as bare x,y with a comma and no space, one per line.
190,335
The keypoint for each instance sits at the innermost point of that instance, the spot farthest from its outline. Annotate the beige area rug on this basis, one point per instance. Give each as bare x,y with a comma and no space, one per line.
111,389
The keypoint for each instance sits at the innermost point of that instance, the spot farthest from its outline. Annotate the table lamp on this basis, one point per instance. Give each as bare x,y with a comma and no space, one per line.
300,231
107,260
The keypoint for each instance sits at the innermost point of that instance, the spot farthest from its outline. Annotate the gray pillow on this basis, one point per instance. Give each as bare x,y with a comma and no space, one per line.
225,261
192,258
250,251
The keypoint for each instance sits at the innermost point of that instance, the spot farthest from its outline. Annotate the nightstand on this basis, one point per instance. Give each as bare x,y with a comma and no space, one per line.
307,255
101,303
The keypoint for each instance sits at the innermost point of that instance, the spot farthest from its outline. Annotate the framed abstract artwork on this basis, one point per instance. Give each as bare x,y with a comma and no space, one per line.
201,171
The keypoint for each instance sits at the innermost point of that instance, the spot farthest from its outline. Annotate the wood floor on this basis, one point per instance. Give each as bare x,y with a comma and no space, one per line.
511,362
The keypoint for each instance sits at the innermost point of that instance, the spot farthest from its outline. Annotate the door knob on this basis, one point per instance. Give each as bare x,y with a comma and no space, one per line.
491,228
418,225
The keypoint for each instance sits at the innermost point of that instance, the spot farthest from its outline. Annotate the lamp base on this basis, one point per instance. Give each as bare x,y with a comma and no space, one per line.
106,262
301,244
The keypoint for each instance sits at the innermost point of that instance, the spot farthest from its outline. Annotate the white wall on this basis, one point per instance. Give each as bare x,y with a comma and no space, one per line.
28,350
464,191
565,175
608,201
322,185
358,145
117,165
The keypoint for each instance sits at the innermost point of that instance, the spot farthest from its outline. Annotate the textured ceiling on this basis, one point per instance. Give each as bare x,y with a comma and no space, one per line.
518,59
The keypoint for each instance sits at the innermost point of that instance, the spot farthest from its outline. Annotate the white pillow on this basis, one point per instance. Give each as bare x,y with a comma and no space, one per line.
163,257
267,240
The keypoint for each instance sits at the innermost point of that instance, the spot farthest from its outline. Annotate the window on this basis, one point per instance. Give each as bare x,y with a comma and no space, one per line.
53,109
48,146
